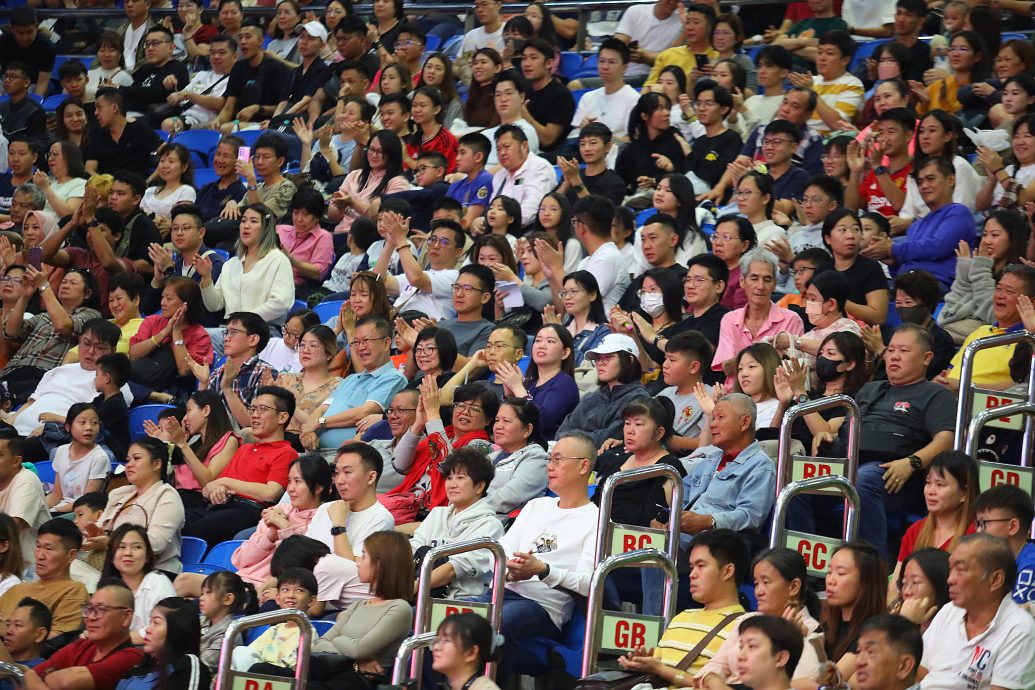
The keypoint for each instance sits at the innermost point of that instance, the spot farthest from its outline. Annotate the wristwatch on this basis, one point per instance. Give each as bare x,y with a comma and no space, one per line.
802,399
337,530
322,421
178,342
880,170
916,463
577,188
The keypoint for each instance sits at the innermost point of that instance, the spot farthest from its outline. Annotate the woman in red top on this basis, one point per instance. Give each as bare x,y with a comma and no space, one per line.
950,490
427,113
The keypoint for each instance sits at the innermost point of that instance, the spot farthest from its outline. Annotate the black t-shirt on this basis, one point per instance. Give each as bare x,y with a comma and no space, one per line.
634,503
115,414
266,84
709,156
211,199
148,87
307,82
142,232
131,152
39,55
864,276
899,420
6,192
26,118
919,61
552,105
791,185
608,183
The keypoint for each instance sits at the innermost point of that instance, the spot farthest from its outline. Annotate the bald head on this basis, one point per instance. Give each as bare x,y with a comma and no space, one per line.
117,594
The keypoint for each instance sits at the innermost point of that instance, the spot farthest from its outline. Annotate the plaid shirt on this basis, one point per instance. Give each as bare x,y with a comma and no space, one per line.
41,345
247,382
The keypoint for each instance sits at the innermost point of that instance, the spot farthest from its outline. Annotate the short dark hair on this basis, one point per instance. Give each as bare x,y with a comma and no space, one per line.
725,546
996,554
597,213
488,280
104,330
819,258
478,143
117,366
72,68
112,96
229,40
379,323
707,10
921,286
444,342
399,99
458,230
828,185
271,141
1025,274
480,393
716,267
511,76
514,131
286,397
188,209
901,117
720,94
39,614
777,56
541,46
783,636
253,324
63,529
309,200
784,127
159,29
811,99
472,461
23,16
298,576
136,182
841,39
832,285
941,164
115,222
434,157
902,633
413,29
617,46
356,66
130,283
597,129
1010,498
368,456
95,500
364,232
692,344
922,335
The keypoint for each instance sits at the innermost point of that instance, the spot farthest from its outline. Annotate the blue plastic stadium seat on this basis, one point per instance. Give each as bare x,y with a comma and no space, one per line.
578,94
452,46
192,549
323,626
328,310
1013,35
571,63
642,216
203,176
299,304
864,51
45,471
201,141
223,253
51,103
432,43
137,415
203,568
533,656
248,136
252,634
221,552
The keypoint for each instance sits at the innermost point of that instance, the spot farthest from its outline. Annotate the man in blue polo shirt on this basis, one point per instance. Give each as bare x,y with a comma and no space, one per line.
362,393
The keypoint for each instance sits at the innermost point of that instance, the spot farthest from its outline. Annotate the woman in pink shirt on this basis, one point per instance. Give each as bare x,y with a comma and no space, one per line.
381,173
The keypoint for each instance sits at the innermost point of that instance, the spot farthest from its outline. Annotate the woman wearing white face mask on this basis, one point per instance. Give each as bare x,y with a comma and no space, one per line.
661,308
825,297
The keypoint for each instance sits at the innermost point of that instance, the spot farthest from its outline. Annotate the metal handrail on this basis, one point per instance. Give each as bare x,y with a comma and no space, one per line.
783,453
841,484
965,408
236,627
604,523
423,608
653,557
402,657
985,416
14,674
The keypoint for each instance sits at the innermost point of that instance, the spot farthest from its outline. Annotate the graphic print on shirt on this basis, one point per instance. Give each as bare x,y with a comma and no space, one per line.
975,670
544,543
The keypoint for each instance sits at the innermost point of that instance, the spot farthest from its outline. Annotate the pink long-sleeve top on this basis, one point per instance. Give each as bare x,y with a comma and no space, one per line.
252,558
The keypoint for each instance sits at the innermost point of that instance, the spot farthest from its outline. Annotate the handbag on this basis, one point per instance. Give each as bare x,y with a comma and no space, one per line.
626,680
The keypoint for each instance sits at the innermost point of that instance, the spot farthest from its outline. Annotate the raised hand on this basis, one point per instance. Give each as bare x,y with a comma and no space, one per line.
303,131
504,274
706,397
7,252
963,250
203,265
550,315
201,370
854,158
405,335
511,377
1026,309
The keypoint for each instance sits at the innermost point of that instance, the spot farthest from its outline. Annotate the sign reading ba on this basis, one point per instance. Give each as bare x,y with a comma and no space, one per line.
808,468
985,401
994,473
816,550
626,538
624,632
247,682
440,608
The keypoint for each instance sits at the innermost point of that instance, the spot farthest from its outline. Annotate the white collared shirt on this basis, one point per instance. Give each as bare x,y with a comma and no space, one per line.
527,185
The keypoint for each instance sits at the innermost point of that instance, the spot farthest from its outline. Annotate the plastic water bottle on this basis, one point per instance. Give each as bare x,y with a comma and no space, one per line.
237,126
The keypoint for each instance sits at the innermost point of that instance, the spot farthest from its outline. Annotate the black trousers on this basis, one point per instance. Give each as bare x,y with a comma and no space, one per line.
220,523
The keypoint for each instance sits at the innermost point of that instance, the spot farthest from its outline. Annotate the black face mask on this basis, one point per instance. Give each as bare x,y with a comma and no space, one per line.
918,314
826,369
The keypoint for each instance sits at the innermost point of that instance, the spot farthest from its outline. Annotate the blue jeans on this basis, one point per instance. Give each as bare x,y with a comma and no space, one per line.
522,619
877,503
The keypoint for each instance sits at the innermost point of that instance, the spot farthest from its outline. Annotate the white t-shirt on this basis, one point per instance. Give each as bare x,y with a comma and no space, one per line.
72,188
438,303
281,357
154,587
94,77
8,582
338,577
766,410
868,14
163,206
609,109
653,34
58,390
480,38
1000,656
201,83
602,264
968,182
688,412
130,41
76,474
23,498
767,231
763,107
564,539
1025,175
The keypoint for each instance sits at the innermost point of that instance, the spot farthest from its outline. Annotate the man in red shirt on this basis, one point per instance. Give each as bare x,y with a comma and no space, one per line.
103,657
883,189
256,476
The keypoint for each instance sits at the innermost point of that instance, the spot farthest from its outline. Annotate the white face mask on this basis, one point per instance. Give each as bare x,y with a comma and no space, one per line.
653,303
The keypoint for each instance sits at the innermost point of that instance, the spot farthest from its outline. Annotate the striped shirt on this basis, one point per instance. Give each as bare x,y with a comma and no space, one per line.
844,94
685,632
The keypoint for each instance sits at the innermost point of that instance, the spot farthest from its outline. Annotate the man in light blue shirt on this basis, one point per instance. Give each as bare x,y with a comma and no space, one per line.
360,394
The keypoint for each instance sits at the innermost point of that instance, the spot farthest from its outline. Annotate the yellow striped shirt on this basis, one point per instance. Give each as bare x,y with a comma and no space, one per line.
687,629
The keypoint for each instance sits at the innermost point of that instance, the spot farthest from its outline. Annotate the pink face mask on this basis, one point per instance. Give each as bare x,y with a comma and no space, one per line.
888,70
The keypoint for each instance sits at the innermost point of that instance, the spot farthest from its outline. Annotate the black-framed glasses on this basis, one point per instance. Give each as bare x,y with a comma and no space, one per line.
467,289
982,524
100,610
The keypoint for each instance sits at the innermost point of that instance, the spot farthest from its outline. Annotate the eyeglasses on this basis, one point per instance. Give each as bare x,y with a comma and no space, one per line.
726,237
802,270
775,141
309,347
11,279
93,345
742,193
100,610
571,292
181,229
705,104
365,342
437,239
408,43
263,409
555,459
814,200
397,411
439,641
227,332
154,44
468,407
696,280
468,289
982,524
424,351
498,347
372,150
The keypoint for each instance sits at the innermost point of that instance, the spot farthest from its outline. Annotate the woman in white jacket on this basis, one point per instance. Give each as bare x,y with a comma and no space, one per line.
258,279
468,474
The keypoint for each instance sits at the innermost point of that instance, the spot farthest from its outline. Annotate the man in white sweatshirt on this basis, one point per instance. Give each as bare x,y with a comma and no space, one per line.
550,550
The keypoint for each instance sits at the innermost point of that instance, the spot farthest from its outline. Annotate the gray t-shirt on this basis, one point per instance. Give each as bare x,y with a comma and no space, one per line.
470,336
688,413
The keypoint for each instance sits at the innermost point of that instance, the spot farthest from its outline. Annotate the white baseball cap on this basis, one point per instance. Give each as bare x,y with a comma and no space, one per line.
612,343
315,29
